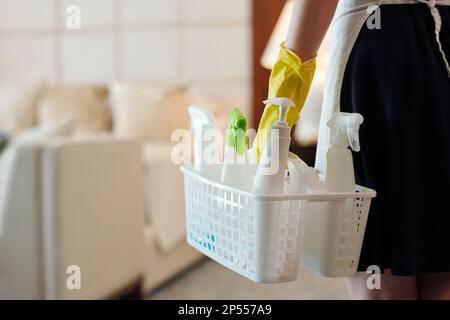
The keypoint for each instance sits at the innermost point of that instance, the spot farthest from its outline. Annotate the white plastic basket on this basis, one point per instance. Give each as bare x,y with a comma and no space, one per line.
334,233
260,236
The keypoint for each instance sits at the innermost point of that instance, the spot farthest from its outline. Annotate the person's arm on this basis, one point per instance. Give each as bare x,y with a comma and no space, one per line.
293,72
309,23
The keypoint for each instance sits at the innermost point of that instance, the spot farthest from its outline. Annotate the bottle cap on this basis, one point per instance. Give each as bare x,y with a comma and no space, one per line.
281,125
345,130
201,117
283,103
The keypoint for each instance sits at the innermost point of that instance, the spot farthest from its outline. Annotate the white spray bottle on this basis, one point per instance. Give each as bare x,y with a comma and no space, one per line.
202,120
269,177
236,170
340,174
322,217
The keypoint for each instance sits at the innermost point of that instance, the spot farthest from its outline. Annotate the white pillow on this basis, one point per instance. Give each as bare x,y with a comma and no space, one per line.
18,106
146,111
86,104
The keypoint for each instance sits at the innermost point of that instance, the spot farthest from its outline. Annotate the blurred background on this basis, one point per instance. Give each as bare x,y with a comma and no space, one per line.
91,205
206,45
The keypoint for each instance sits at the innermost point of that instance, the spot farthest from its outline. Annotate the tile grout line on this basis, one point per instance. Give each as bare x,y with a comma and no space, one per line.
58,50
118,43
181,40
152,27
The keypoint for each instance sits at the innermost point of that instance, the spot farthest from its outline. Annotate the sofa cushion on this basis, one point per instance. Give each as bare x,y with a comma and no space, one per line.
18,106
147,111
86,104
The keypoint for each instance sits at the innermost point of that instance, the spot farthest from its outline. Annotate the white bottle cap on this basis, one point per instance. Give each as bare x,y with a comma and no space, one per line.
201,117
345,130
281,124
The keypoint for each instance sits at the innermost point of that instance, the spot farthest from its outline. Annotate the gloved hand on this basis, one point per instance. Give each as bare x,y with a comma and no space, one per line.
290,78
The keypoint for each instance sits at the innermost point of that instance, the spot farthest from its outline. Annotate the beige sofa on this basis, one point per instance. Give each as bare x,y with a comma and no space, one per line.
94,202
71,203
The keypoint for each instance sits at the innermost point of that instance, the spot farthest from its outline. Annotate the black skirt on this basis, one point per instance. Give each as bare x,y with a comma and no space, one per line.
396,79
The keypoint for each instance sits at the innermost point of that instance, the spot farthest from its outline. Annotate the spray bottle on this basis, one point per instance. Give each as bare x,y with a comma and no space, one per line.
202,120
269,177
236,168
322,217
340,174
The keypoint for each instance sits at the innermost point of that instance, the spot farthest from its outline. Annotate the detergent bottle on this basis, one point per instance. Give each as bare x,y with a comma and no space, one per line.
270,174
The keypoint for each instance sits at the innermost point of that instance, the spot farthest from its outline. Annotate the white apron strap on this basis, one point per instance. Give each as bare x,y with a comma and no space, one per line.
437,30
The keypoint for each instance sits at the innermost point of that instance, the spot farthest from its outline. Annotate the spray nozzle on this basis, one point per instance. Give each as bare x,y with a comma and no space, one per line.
345,129
201,117
201,121
236,130
283,103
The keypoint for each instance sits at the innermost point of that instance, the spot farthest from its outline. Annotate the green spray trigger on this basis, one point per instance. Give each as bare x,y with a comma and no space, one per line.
236,130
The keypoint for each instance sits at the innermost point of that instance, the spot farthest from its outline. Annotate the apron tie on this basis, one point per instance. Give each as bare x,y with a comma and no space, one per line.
438,24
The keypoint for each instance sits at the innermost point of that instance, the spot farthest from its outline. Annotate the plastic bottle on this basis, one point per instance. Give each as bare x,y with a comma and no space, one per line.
303,178
340,174
270,174
202,120
318,251
236,169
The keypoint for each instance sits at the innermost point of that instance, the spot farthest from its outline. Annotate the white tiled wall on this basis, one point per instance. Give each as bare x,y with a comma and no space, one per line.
145,12
216,52
206,43
23,14
217,10
95,13
156,53
88,57
23,58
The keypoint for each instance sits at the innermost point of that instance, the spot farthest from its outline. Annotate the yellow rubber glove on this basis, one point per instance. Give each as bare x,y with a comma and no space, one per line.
290,78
